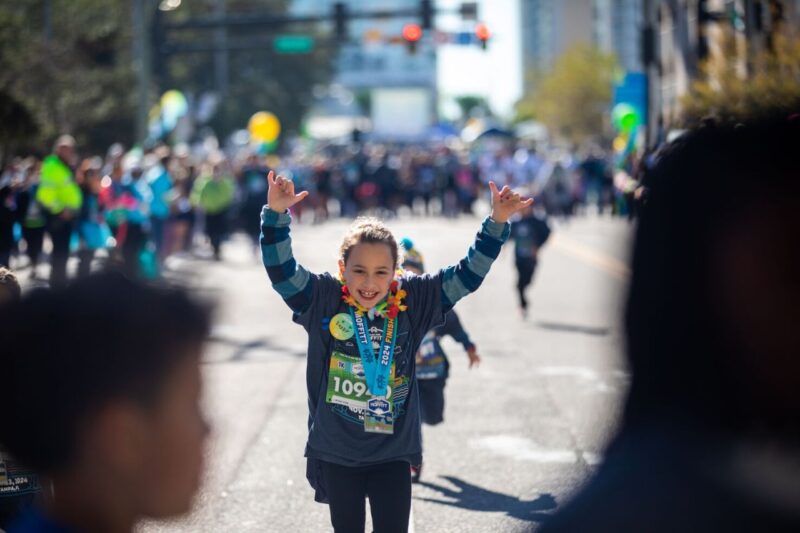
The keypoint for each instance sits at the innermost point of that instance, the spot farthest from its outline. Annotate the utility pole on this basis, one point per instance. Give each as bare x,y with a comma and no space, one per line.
141,65
652,66
221,55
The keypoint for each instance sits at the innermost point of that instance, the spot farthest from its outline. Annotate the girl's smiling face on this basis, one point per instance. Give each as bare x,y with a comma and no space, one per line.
369,272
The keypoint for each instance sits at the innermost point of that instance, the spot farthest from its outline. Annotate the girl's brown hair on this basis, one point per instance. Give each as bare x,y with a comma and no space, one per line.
371,231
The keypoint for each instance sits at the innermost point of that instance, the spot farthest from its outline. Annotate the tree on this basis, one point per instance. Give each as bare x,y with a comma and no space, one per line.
259,79
572,98
17,126
77,78
773,83
76,74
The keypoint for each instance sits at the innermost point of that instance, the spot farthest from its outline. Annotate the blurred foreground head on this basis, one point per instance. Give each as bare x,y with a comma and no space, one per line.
710,436
102,387
713,316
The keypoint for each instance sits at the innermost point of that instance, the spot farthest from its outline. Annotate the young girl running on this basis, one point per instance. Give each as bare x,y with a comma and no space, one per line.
364,329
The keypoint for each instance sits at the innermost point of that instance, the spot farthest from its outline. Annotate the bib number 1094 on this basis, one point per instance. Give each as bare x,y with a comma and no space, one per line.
349,388
346,382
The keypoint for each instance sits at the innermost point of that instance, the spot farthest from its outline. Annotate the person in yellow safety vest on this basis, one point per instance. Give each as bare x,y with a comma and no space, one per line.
61,199
213,192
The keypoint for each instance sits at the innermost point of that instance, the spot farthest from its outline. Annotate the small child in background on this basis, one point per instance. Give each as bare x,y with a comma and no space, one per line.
115,421
433,367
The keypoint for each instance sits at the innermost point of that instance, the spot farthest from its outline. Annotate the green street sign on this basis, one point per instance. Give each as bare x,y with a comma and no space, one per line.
293,44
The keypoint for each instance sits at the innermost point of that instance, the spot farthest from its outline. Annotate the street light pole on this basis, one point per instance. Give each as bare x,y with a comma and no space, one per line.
141,65
651,60
221,55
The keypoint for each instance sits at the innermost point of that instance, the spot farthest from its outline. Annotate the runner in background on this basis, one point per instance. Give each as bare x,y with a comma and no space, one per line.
530,232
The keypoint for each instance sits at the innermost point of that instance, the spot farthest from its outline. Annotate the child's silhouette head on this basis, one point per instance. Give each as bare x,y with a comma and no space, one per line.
106,380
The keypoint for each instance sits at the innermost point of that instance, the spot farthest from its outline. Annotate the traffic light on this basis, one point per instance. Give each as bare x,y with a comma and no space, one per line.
483,34
340,21
426,14
412,33
703,18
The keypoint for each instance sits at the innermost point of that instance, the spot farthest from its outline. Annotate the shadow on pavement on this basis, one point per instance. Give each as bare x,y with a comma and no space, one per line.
574,328
475,498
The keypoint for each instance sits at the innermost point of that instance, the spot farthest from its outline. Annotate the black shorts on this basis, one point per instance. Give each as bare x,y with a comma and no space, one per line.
431,400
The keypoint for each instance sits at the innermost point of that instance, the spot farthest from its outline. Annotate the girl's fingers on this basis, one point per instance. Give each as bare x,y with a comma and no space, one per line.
509,196
301,195
271,178
527,202
493,188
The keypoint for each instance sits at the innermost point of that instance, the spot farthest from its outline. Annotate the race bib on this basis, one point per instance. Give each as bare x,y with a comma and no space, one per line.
347,384
430,359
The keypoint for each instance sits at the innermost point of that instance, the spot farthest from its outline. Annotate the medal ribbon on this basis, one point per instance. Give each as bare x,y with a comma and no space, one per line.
376,369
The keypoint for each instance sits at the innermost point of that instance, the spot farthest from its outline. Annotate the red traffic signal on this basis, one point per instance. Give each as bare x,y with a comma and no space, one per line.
412,32
482,33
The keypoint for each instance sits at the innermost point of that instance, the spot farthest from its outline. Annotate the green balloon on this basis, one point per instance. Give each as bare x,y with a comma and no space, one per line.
625,117
629,122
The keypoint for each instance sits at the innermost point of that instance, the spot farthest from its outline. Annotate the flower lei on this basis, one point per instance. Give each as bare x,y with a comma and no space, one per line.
389,308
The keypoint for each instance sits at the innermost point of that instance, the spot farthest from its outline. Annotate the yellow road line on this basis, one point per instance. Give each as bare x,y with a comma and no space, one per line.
606,263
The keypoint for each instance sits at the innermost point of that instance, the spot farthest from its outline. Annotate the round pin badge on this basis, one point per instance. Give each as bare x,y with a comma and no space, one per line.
342,327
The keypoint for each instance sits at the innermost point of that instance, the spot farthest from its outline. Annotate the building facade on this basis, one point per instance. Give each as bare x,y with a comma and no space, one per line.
684,36
373,64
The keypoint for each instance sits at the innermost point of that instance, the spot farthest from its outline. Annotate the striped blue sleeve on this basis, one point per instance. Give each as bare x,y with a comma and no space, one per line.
466,276
291,280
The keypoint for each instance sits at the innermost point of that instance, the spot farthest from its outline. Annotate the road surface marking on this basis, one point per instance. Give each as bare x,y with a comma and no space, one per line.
524,449
606,263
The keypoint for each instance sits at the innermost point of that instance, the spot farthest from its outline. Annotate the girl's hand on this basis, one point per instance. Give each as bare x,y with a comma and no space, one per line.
474,358
505,203
281,196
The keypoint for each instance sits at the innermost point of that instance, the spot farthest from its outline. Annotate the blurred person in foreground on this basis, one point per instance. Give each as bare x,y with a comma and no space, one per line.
710,435
115,422
19,487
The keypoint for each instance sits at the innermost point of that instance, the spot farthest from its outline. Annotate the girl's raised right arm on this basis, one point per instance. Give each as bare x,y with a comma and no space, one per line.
293,282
